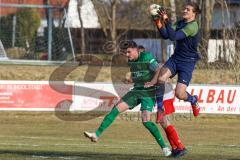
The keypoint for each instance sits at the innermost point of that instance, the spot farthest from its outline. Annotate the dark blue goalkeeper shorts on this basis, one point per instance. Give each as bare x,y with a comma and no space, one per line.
182,68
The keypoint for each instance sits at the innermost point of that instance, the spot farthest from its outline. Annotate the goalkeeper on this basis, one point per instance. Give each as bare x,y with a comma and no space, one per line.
143,67
186,34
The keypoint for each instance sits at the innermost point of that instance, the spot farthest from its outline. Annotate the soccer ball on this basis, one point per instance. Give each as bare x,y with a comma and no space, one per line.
153,9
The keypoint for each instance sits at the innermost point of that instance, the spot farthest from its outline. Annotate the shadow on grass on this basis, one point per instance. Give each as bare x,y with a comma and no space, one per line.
211,157
75,155
109,156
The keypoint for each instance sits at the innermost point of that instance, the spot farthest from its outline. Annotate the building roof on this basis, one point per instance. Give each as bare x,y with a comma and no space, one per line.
12,10
36,2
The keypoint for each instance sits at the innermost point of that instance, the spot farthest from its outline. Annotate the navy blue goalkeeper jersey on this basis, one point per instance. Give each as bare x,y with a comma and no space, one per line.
187,39
186,49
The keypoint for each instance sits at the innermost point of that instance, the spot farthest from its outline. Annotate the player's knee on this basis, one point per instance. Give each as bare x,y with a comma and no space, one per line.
180,94
122,106
145,119
161,80
145,116
164,123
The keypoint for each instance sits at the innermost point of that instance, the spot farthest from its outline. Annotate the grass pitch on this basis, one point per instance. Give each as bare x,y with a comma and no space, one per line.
39,73
35,135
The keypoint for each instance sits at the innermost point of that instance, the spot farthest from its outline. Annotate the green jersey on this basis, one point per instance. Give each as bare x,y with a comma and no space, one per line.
143,69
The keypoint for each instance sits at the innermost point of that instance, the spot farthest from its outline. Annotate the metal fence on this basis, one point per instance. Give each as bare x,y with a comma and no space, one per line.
35,32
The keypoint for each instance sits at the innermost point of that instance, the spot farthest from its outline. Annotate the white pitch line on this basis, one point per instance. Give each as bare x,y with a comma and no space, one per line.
46,138
221,145
117,146
113,146
131,143
59,157
72,139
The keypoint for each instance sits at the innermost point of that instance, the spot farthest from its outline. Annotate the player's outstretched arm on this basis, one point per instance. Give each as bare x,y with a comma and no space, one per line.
162,30
154,79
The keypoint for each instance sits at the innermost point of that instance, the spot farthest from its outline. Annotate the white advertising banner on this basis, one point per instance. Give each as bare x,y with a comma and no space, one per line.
33,95
40,96
97,96
224,99
215,99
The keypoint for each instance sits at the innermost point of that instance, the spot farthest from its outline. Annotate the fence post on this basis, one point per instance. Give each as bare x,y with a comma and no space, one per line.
50,21
14,31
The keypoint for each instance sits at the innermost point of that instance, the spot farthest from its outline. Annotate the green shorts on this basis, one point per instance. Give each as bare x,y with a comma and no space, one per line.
145,97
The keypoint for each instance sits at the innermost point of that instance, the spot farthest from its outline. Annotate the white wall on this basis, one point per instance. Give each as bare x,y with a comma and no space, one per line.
88,13
215,47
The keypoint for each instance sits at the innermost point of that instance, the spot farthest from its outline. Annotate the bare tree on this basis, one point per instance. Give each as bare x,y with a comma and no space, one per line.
173,10
63,20
206,19
112,21
79,6
106,11
224,30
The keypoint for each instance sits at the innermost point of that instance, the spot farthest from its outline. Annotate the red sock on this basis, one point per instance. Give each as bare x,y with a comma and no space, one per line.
171,141
174,136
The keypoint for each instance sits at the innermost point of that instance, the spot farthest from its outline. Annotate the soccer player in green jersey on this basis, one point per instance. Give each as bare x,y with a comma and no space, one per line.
143,67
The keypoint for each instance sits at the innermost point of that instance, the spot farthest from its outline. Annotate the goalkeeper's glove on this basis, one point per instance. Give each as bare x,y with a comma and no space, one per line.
163,14
158,23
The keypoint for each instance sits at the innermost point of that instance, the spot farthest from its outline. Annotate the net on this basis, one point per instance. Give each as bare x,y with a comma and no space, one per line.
35,32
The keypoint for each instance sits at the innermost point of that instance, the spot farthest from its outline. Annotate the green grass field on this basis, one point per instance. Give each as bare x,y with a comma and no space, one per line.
35,135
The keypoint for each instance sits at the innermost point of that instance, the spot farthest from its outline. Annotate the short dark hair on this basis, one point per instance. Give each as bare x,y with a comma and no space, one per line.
195,6
129,44
141,47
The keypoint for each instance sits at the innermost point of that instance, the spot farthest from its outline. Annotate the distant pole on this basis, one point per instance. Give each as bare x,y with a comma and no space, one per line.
70,35
50,24
14,31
